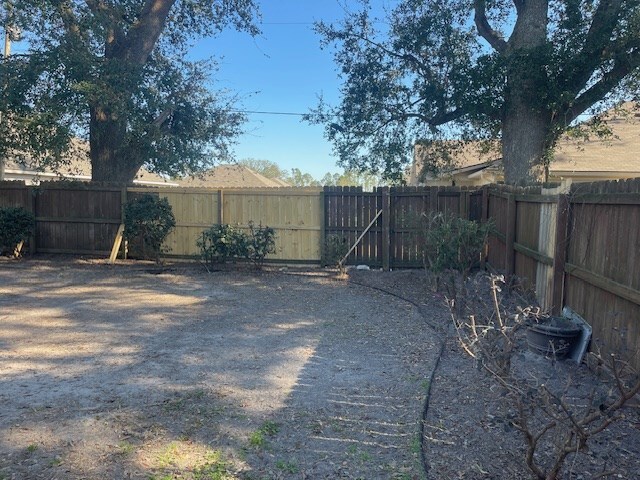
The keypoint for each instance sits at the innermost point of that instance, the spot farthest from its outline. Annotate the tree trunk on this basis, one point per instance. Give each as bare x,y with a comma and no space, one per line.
525,122
524,142
110,163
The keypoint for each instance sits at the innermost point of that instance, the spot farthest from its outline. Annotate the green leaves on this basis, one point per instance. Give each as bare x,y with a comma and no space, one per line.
221,243
16,225
152,219
437,71
124,60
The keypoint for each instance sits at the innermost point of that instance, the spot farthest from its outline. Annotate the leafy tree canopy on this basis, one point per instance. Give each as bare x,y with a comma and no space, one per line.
116,72
264,167
517,71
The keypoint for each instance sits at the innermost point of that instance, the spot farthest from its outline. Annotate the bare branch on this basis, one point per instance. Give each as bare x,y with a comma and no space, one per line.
484,29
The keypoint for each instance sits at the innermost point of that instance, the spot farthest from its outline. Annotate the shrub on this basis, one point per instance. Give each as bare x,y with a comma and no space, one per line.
335,248
261,241
450,242
221,243
16,225
152,219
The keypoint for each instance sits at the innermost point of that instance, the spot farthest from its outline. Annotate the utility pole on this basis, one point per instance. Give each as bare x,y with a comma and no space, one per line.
7,52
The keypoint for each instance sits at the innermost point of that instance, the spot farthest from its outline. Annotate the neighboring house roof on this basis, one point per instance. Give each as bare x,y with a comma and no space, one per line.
620,154
615,157
77,169
231,176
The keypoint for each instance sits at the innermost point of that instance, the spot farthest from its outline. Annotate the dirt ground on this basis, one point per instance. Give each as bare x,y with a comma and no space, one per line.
468,430
110,372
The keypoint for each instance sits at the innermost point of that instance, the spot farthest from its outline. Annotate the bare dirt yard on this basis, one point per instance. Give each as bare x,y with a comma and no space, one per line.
117,372
110,372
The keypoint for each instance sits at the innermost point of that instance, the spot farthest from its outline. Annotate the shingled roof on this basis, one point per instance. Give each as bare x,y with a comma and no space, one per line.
617,156
231,176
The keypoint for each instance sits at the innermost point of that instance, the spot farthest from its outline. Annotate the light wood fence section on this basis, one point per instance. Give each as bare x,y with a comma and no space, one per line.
294,213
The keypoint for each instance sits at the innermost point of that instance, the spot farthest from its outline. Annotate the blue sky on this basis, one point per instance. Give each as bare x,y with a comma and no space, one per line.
282,70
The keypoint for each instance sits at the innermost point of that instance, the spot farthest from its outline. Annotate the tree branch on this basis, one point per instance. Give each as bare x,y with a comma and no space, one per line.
401,56
484,29
598,38
598,91
143,35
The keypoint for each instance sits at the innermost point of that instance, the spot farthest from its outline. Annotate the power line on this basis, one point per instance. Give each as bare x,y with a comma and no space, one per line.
261,112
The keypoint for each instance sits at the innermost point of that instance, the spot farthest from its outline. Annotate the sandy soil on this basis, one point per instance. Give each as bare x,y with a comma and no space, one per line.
120,372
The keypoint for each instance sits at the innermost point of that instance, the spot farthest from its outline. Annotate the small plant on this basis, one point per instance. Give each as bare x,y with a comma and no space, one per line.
32,448
221,243
288,466
268,429
448,242
335,248
256,439
16,225
150,218
261,242
126,448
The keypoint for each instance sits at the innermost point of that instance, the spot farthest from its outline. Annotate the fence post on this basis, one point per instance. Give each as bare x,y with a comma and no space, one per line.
465,203
484,216
323,229
510,238
386,232
220,207
33,193
123,202
560,254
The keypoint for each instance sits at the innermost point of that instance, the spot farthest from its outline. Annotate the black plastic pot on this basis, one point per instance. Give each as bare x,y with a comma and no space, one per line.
553,337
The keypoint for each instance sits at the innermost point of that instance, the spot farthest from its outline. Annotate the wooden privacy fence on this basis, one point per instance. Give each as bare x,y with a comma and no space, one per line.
579,249
84,219
393,240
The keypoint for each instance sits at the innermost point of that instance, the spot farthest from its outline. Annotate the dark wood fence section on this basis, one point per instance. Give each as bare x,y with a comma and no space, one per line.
393,239
579,249
75,219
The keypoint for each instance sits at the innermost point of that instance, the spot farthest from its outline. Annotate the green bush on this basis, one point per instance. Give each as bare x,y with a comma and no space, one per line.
452,243
335,248
261,241
221,243
150,218
16,225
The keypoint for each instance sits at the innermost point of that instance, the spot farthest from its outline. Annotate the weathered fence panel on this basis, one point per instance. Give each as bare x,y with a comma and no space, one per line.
408,204
15,194
348,211
497,212
580,250
602,281
396,233
76,219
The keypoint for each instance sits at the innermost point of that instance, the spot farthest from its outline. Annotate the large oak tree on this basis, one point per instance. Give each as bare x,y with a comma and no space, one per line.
517,71
116,71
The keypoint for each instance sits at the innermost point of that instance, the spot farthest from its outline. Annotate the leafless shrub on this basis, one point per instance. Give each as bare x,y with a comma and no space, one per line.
554,423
